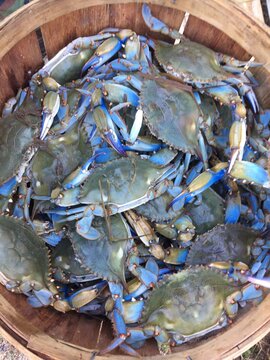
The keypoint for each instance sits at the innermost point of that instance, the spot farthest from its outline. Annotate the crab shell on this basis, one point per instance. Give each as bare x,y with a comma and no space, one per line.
229,242
61,156
123,184
105,257
24,260
18,132
66,267
190,61
188,304
171,113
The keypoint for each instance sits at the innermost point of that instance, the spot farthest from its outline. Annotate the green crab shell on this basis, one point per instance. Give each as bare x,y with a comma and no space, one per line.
230,242
63,155
70,67
24,259
190,61
171,114
209,213
124,182
65,263
18,132
156,209
105,257
188,302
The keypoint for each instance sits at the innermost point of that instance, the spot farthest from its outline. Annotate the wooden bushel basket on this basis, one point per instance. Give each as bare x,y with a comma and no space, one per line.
219,24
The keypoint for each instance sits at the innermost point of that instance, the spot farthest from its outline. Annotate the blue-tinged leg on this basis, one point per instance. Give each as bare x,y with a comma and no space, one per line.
84,226
194,172
117,318
144,144
7,188
120,123
130,79
79,175
106,128
53,238
128,350
40,298
264,267
163,157
187,161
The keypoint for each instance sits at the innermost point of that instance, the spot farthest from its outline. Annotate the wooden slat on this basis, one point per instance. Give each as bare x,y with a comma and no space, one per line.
208,35
84,22
17,66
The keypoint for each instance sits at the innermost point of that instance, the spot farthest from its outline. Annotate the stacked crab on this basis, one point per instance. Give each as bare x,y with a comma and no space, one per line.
125,166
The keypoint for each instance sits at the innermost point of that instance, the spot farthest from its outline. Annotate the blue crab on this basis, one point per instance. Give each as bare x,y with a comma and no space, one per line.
184,306
19,131
20,272
113,188
226,242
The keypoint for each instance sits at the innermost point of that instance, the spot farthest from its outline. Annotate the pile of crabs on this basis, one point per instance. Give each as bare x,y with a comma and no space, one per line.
134,185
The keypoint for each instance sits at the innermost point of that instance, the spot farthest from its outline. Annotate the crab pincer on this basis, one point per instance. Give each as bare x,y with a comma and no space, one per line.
106,127
51,106
201,183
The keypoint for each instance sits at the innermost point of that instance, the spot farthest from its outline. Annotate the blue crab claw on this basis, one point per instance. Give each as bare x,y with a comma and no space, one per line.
249,95
156,25
233,208
251,173
79,175
237,140
51,107
103,53
201,183
105,125
7,188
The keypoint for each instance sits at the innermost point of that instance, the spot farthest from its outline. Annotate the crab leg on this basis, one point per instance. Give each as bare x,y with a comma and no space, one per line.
79,175
158,26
